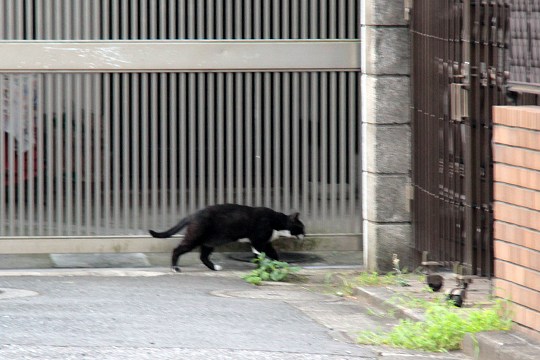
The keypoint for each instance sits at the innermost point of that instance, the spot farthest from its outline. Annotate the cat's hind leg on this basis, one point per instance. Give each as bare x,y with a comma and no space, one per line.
183,248
269,250
205,258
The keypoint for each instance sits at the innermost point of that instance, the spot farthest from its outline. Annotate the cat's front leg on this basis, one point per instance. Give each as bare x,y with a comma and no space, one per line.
205,258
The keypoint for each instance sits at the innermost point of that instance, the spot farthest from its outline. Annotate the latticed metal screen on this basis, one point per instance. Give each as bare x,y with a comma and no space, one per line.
464,54
524,35
116,153
178,19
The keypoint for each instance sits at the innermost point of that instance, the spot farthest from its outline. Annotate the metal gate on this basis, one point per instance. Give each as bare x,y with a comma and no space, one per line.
461,67
118,116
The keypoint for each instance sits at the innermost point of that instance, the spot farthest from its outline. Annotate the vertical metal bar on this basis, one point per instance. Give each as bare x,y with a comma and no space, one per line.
314,20
306,140
173,22
354,152
123,29
220,112
11,159
210,20
39,20
31,155
10,16
238,20
69,151
304,19
191,20
219,20
173,141
105,22
248,138
277,147
259,156
468,148
97,18
296,20
3,21
145,149
333,146
59,155
343,144
40,148
128,139
142,21
285,20
239,141
20,144
134,33
192,114
85,20
202,123
154,147
87,158
211,142
323,155
258,20
266,19
332,19
287,124
49,111
137,162
342,20
78,152
229,23
267,138
113,176
229,123
296,140
29,21
163,165
183,95
315,140
276,19
248,20
352,19
97,151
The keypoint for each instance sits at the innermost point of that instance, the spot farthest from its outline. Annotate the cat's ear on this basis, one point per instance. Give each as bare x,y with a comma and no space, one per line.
295,216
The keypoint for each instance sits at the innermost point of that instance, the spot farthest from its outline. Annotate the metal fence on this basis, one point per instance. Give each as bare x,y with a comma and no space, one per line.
461,65
114,153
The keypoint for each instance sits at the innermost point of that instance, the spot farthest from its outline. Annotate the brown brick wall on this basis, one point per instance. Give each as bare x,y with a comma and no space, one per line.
516,154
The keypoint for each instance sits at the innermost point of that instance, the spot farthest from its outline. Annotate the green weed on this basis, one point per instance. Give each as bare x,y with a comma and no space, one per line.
443,329
269,270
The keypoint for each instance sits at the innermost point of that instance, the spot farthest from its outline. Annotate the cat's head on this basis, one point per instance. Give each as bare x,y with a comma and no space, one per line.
296,227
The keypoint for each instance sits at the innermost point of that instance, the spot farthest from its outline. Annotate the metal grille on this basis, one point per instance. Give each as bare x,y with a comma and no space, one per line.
99,150
174,19
524,34
458,75
105,154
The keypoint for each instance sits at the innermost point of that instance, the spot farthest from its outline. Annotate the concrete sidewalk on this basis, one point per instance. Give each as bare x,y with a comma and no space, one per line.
152,313
343,316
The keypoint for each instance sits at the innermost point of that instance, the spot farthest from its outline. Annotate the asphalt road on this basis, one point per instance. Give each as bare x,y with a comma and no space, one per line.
199,314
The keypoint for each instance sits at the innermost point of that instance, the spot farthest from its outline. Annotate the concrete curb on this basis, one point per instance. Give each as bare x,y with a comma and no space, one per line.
493,345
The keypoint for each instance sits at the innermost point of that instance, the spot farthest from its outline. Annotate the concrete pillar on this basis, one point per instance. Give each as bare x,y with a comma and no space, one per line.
386,134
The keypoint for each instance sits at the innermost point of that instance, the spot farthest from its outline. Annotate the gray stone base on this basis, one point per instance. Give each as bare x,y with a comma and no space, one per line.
381,241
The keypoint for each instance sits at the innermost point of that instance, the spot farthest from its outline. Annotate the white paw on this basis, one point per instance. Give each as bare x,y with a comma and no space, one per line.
176,269
218,267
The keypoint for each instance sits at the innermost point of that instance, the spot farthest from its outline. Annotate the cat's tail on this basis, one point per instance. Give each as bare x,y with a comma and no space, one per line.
168,233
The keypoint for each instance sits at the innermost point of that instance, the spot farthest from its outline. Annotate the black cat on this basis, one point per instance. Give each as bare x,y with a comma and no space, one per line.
221,224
